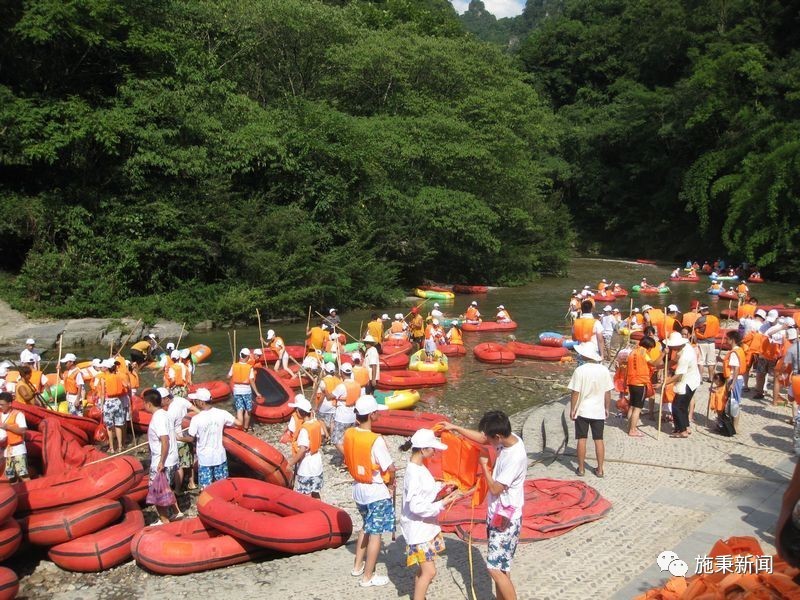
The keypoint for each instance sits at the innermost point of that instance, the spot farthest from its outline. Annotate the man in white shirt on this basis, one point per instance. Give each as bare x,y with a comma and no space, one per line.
177,409
205,430
608,321
591,386
686,379
163,447
28,355
506,496
436,313
372,360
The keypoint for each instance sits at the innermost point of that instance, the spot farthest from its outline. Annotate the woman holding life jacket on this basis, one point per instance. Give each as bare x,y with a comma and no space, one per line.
420,510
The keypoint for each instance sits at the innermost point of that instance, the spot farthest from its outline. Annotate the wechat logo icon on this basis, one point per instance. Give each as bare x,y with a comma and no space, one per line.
669,561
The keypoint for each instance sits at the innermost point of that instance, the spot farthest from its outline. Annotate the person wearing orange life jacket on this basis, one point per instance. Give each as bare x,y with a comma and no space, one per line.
472,314
242,378
188,360
168,362
12,429
502,315
637,378
38,379
417,326
177,376
256,358
601,287
372,360
574,305
706,329
325,406
112,390
747,309
25,391
588,329
654,317
372,468
360,372
399,328
306,459
317,337
768,356
277,345
732,369
375,326
742,291
791,361
344,396
752,340
454,336
74,388
672,321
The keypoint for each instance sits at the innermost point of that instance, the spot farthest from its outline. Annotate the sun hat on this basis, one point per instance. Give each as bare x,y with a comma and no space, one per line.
170,346
435,305
454,323
646,307
614,310
675,340
501,307
301,402
258,352
108,364
703,307
425,438
385,317
473,303
325,326
96,363
588,350
152,336
356,356
69,357
331,311
436,321
772,316
636,309
186,353
201,394
366,405
398,316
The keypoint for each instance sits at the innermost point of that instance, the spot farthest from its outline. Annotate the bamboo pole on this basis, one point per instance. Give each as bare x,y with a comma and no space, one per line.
127,339
180,337
663,389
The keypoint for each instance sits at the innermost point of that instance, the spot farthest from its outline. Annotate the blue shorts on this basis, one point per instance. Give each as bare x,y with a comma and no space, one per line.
735,398
208,475
503,545
378,516
243,402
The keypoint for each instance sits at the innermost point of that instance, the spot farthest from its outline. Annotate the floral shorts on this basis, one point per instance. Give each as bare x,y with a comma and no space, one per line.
185,458
337,435
416,554
208,475
243,402
307,485
502,545
378,516
16,466
113,413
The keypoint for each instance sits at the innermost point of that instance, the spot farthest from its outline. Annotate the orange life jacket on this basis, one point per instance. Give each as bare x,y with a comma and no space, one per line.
397,327
455,337
133,379
317,338
88,379
669,326
353,392
745,310
314,429
361,375
601,287
726,368
358,444
278,346
711,329
460,465
742,288
26,385
583,329
178,373
718,399
472,314
13,439
36,380
71,381
375,329
657,319
115,386
638,368
417,326
297,422
241,373
331,382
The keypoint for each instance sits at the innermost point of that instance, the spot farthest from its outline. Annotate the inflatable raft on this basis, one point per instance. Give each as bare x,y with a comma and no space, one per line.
453,350
537,351
395,345
609,297
489,326
10,538
401,380
405,422
431,295
50,527
752,279
274,394
273,517
724,278
419,362
200,353
645,261
394,362
220,390
398,399
9,584
714,292
264,460
684,278
491,352
650,290
728,295
470,289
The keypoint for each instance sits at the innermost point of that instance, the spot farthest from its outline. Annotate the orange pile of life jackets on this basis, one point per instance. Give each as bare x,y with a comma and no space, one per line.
730,583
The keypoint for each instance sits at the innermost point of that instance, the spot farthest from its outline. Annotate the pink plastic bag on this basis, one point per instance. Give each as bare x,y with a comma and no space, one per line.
159,493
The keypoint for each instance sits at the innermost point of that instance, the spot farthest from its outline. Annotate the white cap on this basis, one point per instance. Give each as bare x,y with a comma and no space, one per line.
356,356
574,292
170,346
325,326
675,340
501,307
473,303
607,308
301,402
201,394
244,352
604,281
96,363
108,363
366,405
385,317
398,316
270,334
614,310
454,322
186,353
646,307
347,368
152,336
772,316
69,357
331,311
258,352
586,287
589,350
435,305
163,392
3,371
761,313
673,308
330,367
636,309
425,438
436,321
368,339
175,355
30,342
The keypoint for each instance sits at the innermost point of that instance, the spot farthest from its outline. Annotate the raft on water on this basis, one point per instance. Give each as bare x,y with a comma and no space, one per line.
489,326
494,353
419,362
397,399
434,295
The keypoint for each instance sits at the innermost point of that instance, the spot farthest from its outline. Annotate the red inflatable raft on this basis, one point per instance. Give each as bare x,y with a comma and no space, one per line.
728,295
403,380
9,584
391,346
274,395
489,326
81,428
684,278
10,538
188,546
273,517
752,279
264,460
394,362
605,297
620,293
8,502
537,351
295,381
405,422
435,288
51,527
645,261
296,352
220,390
470,289
104,549
491,352
452,349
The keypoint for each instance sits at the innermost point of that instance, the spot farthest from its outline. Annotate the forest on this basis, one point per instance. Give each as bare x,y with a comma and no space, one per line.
196,159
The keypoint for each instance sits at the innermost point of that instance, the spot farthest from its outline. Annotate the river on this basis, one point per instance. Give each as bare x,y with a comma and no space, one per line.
540,306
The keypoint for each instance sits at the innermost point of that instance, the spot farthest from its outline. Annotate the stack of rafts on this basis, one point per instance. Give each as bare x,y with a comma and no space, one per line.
240,520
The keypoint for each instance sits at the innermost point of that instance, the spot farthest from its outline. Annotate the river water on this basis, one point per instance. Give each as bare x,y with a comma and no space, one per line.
474,387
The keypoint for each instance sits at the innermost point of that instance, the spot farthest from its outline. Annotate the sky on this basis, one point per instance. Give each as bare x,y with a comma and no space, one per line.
499,8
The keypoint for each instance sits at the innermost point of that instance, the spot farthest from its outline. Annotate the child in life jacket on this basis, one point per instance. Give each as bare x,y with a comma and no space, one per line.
307,439
718,396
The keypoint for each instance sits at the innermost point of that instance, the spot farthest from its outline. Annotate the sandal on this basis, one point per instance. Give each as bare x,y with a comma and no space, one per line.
580,472
599,473
638,434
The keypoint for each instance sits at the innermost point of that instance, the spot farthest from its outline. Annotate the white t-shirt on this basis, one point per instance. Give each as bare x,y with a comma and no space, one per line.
26,355
178,409
420,510
436,313
242,389
733,361
344,413
206,427
688,370
367,493
19,449
510,468
161,425
311,465
591,380
608,321
371,357
326,407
